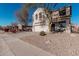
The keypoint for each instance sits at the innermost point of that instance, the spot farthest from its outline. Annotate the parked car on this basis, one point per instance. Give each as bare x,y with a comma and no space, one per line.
6,29
13,30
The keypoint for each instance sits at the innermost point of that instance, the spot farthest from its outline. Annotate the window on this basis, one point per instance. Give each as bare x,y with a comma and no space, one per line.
43,16
40,15
36,16
62,12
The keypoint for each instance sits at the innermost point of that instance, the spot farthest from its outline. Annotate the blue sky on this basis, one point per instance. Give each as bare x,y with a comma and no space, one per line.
7,13
75,13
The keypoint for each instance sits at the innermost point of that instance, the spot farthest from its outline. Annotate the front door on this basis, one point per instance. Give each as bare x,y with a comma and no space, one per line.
53,27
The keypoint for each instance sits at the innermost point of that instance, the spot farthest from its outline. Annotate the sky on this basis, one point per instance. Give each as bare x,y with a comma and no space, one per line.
7,13
75,14
8,10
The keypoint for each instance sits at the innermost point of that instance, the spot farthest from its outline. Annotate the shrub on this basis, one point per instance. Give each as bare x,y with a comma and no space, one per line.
42,33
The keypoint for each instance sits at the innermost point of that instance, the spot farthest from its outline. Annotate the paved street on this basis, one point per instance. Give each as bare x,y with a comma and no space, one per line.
11,45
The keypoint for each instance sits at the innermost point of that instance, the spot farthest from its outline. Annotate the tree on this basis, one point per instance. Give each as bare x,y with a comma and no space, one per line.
22,16
23,13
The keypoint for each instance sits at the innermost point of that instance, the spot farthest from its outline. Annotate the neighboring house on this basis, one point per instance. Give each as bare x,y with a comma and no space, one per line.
61,19
22,27
19,26
75,28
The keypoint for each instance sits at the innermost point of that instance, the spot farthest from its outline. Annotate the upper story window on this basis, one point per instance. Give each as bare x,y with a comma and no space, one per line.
40,15
36,16
43,16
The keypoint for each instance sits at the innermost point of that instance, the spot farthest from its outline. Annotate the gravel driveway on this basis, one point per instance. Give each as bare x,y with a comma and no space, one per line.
59,44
